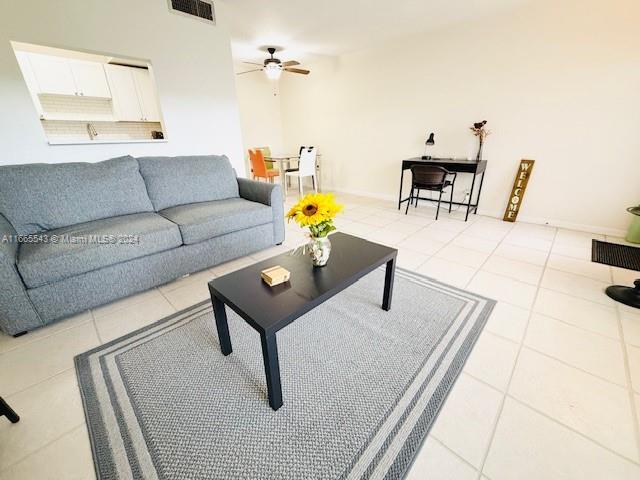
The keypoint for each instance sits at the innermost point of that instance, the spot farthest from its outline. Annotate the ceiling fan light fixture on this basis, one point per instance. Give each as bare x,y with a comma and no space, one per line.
273,71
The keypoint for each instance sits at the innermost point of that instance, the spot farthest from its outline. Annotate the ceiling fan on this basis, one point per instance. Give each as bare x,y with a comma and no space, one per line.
273,67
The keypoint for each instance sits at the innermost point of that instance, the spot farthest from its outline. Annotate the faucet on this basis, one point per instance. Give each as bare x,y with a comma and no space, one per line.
93,133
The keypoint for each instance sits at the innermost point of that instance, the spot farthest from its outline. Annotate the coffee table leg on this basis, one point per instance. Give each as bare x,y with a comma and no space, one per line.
221,324
272,369
388,284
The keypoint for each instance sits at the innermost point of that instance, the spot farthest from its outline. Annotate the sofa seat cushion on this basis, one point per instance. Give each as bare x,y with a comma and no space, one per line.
205,220
93,245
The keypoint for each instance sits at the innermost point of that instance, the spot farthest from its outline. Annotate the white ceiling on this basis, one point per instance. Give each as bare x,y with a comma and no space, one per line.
335,27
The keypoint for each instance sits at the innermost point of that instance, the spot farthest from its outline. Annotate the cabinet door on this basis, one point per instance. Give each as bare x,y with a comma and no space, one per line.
29,79
147,94
90,79
126,106
53,74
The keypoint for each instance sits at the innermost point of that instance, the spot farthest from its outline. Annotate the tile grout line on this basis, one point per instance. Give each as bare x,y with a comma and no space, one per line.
581,434
168,301
549,417
455,454
544,354
466,286
95,327
444,244
515,365
37,339
39,382
565,322
39,449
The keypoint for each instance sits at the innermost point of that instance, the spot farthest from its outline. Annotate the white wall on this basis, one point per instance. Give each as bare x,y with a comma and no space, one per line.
259,104
191,61
558,82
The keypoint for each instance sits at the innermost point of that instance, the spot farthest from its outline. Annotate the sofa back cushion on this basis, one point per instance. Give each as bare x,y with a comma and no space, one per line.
173,181
38,197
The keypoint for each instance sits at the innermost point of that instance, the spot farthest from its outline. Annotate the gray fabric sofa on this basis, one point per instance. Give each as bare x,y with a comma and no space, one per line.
77,235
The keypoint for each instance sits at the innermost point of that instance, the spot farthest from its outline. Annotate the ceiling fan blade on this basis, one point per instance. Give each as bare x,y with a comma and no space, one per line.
297,70
253,63
290,63
249,71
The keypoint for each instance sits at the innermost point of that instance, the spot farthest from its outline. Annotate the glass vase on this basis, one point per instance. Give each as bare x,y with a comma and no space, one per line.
319,249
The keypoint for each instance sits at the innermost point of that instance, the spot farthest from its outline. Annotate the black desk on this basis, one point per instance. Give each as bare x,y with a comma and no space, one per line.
462,166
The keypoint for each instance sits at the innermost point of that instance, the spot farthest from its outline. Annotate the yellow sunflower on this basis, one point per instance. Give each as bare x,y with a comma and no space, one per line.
314,209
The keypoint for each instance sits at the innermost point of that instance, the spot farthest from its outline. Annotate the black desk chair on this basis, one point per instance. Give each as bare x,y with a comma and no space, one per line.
6,410
432,178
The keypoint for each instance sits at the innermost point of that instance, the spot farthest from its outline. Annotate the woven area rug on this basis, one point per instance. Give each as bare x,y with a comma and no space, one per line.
361,388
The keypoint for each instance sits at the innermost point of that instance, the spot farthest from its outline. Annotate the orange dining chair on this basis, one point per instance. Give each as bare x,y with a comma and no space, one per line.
259,166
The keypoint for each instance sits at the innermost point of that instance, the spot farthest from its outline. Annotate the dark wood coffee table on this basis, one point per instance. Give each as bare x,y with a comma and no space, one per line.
270,309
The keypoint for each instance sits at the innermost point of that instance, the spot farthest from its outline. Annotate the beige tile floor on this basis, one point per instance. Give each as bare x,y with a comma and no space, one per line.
551,389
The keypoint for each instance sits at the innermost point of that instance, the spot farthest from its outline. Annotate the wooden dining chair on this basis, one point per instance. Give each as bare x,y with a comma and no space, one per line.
259,166
432,178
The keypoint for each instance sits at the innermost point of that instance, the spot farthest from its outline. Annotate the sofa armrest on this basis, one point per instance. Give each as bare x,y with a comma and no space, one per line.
8,241
267,194
17,313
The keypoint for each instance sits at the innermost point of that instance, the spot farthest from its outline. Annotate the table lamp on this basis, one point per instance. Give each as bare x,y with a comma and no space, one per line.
430,142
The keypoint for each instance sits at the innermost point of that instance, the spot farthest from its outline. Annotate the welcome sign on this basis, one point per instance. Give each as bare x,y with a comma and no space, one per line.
517,192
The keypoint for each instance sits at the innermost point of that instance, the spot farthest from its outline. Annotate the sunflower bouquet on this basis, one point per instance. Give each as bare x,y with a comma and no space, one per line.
316,212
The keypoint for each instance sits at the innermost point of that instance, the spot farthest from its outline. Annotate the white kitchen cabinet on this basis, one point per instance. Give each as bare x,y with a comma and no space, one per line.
53,74
90,79
63,76
126,105
134,94
29,79
146,94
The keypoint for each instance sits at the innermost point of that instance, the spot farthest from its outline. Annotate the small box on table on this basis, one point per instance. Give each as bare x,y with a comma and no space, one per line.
275,275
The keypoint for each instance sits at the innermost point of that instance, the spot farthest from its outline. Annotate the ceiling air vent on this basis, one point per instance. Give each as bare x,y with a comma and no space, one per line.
201,9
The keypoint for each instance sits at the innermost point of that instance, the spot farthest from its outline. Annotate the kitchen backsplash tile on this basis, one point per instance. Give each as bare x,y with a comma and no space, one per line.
73,131
58,130
56,104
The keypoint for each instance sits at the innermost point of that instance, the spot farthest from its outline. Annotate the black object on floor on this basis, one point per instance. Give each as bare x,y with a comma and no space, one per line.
627,295
622,256
8,412
616,255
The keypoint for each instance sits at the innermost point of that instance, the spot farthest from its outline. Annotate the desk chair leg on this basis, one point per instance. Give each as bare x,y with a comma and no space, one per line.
409,201
7,411
438,209
300,185
417,197
451,198
315,184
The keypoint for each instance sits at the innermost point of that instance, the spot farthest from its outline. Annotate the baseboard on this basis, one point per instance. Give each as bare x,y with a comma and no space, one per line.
377,196
581,227
616,232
